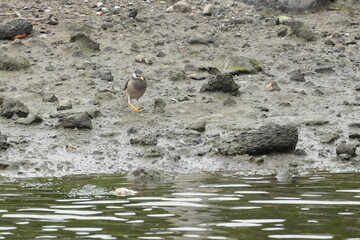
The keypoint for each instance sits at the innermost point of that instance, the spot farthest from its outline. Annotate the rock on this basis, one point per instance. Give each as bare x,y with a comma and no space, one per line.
354,135
10,107
208,10
64,105
221,83
153,153
106,75
316,121
52,20
282,33
147,175
301,31
85,42
133,13
182,7
202,41
12,64
177,77
159,106
297,76
140,58
329,138
198,125
344,157
233,64
17,27
345,148
3,142
50,98
330,42
325,70
229,102
50,68
197,77
266,139
79,121
272,86
147,140
31,119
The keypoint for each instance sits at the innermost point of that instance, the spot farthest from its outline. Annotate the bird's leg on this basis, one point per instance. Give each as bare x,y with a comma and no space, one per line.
138,104
132,106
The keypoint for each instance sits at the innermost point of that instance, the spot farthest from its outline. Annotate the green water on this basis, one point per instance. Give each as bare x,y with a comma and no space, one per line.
198,206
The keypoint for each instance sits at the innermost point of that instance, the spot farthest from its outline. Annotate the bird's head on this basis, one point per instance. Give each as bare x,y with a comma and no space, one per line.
138,75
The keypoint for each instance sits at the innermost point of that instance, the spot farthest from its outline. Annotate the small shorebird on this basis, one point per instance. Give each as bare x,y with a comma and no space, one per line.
135,88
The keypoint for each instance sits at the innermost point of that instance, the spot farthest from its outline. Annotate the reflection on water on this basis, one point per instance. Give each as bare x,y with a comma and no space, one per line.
207,206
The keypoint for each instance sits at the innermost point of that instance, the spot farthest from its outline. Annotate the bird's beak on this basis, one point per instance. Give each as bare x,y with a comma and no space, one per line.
141,78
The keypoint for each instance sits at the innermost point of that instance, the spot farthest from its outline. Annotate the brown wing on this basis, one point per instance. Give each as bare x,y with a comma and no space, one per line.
126,84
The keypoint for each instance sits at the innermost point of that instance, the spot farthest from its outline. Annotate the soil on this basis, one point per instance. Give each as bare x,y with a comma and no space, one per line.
326,103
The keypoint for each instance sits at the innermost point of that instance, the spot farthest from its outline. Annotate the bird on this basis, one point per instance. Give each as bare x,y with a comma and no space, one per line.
135,88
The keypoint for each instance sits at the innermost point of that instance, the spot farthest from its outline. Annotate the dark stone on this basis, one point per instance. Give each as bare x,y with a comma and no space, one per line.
203,41
221,83
330,42
297,76
17,27
79,121
3,142
106,75
159,106
10,107
266,139
148,140
354,135
324,70
282,33
133,13
85,41
50,98
345,148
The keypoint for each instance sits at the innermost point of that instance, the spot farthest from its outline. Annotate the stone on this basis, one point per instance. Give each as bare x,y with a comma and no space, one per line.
11,107
202,41
106,75
30,120
229,102
177,77
297,76
153,153
182,7
316,121
235,65
147,140
133,13
325,70
85,41
17,27
221,83
329,138
272,86
159,106
301,31
140,58
345,148
266,139
64,105
282,33
198,125
4,142
79,121
208,10
50,98
52,20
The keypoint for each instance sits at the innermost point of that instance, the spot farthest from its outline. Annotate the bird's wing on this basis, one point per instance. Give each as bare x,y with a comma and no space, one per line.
126,84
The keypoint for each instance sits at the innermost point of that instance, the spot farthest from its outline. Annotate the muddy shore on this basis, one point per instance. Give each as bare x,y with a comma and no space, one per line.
318,87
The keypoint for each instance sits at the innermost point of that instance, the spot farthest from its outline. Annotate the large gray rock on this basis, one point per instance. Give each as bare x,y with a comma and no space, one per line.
11,29
266,139
289,5
79,121
3,142
10,107
233,64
